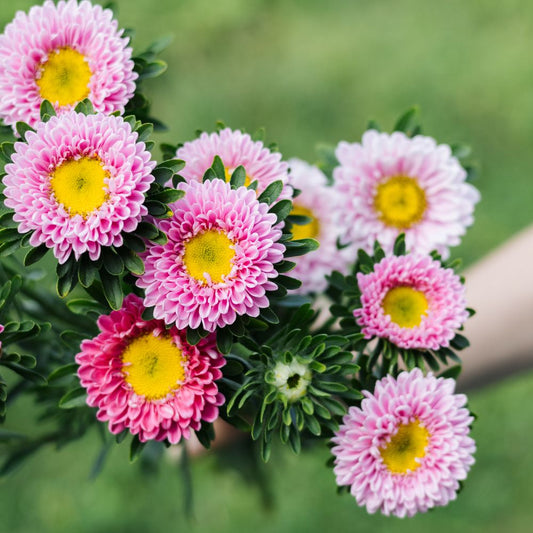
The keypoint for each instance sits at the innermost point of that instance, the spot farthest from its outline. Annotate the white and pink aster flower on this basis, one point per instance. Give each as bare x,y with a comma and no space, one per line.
219,260
146,378
412,301
407,447
319,202
394,184
77,213
234,149
87,35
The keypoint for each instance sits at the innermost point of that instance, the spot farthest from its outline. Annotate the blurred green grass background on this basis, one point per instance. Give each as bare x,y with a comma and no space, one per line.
316,71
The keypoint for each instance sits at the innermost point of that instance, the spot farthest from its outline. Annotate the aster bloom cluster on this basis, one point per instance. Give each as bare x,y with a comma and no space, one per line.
225,282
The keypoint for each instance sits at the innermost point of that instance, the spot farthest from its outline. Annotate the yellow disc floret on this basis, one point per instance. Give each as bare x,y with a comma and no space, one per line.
209,253
400,202
153,366
304,231
64,77
400,454
405,306
79,185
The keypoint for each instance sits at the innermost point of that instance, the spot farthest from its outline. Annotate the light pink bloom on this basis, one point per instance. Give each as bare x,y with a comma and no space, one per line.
449,199
102,373
442,288
234,149
365,431
323,201
1,329
178,297
72,136
90,30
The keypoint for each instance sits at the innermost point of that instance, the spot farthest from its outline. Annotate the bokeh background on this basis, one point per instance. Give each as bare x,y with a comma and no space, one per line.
316,71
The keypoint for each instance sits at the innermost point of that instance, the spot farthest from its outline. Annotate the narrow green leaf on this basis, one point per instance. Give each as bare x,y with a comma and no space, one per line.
73,399
35,254
112,289
238,177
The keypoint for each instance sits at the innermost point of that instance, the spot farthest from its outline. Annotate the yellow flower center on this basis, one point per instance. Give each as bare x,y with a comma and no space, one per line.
304,231
79,185
209,253
153,366
229,171
64,78
400,202
405,306
409,443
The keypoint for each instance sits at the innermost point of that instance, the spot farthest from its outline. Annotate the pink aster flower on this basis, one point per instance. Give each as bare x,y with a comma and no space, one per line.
392,184
148,379
234,149
408,446
78,183
319,202
219,260
412,301
63,53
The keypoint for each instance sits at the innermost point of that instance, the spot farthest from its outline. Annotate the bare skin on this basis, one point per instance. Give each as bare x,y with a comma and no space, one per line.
500,288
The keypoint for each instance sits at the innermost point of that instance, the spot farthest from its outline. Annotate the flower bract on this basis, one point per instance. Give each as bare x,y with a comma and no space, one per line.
146,378
63,53
412,301
234,149
393,184
219,260
78,182
406,449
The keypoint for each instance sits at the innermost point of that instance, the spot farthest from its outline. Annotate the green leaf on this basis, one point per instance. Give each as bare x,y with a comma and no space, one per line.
67,277
238,177
281,209
134,243
112,261
131,260
288,283
224,340
162,175
22,128
73,399
8,248
399,245
35,254
112,290
168,196
144,132
85,107
452,372
66,370
155,208
136,448
406,121
147,230
46,110
82,306
88,271
218,168
300,247
271,193
26,373
153,69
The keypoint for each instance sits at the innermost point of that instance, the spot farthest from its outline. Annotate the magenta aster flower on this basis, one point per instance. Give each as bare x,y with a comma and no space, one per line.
234,149
219,260
148,379
392,184
78,182
406,449
319,202
63,53
412,301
